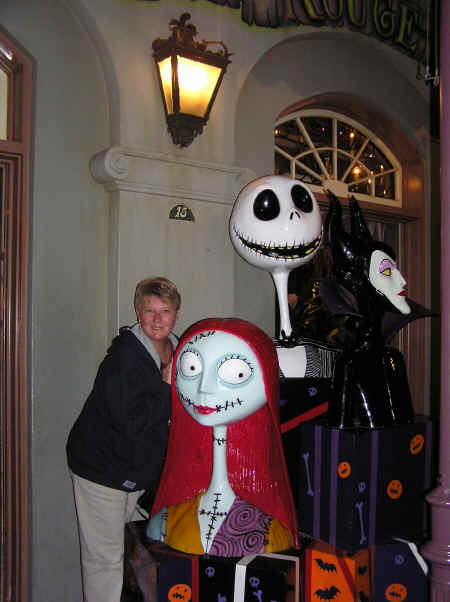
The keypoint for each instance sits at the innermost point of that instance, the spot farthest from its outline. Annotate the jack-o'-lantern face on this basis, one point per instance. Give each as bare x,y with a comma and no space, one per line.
344,470
179,593
396,592
416,444
394,489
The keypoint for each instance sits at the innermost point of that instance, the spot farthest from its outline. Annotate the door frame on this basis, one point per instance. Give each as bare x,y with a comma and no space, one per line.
15,389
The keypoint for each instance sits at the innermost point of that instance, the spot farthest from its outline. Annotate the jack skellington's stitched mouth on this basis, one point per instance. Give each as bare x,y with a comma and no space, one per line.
285,251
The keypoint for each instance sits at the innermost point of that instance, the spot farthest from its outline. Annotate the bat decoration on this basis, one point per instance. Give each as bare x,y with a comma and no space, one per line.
329,593
362,570
326,566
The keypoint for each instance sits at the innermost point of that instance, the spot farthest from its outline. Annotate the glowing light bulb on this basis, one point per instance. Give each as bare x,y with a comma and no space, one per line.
192,76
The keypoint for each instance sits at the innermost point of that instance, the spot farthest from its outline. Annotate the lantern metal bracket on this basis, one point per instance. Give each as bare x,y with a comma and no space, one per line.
184,127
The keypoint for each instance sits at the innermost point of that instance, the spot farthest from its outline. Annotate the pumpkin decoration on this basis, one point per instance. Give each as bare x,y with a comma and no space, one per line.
396,592
416,444
179,593
344,470
394,489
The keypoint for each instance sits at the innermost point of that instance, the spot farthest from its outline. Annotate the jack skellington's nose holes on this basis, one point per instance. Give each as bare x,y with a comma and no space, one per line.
302,199
266,205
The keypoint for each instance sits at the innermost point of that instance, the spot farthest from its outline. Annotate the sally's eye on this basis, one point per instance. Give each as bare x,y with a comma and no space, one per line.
234,371
190,364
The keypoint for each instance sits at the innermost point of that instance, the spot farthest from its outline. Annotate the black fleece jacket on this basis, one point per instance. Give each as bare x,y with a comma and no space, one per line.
120,438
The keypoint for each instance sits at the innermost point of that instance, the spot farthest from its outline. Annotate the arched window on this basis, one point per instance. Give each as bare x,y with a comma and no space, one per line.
15,111
323,148
340,150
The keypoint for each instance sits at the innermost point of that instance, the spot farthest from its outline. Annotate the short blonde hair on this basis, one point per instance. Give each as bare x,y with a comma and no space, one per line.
160,287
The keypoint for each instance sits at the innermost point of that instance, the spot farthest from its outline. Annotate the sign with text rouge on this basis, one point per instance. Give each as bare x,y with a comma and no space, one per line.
402,23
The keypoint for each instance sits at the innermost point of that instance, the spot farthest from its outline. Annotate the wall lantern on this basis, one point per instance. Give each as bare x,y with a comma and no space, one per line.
189,77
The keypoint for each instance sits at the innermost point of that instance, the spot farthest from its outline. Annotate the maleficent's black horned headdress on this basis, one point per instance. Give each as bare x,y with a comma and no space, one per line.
352,252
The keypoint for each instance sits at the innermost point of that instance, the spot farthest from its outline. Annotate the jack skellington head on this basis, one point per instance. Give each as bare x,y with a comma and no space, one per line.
276,226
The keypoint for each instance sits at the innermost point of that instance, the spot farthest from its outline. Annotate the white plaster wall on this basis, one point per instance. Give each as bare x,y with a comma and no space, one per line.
68,271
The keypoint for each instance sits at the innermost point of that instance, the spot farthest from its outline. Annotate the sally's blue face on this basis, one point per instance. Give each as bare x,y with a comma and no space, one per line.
218,378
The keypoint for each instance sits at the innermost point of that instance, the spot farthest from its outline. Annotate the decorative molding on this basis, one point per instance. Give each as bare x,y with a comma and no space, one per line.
110,165
121,168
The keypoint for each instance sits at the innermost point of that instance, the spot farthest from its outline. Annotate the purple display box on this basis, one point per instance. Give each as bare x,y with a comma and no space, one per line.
359,488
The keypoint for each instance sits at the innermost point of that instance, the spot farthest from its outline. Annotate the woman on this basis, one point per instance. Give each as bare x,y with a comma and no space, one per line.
224,489
117,445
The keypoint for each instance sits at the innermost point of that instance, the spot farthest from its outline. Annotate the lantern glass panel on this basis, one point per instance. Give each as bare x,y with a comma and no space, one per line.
165,73
196,82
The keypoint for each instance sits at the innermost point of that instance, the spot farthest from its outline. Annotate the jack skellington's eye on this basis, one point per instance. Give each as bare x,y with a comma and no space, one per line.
266,205
190,364
234,371
302,199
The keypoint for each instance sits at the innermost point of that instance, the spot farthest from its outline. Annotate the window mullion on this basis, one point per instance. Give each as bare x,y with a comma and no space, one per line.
304,138
307,169
355,159
312,147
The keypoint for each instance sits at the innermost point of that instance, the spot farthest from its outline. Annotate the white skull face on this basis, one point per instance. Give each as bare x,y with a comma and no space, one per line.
387,279
276,224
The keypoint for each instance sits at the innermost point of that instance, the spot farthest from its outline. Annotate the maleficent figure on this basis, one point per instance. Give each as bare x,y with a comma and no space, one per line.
370,384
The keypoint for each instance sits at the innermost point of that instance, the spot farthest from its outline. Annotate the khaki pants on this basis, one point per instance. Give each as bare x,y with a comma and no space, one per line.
102,513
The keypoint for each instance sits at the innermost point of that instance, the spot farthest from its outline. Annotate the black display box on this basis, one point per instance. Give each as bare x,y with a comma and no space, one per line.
216,577
400,573
153,572
356,488
301,395
271,577
264,577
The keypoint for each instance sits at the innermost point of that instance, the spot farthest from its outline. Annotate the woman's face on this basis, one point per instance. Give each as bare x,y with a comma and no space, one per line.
157,317
387,280
218,378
